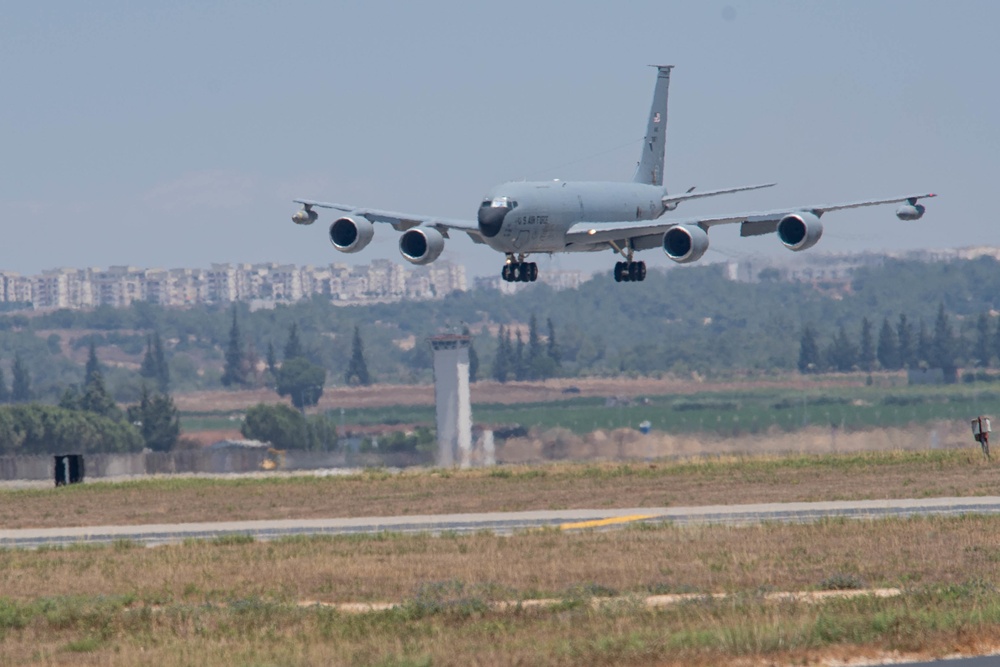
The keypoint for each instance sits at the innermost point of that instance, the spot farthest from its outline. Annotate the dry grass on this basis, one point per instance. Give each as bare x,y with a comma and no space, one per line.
723,480
745,632
234,602
547,563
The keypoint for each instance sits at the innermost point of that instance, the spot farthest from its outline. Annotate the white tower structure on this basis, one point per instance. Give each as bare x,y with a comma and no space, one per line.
452,400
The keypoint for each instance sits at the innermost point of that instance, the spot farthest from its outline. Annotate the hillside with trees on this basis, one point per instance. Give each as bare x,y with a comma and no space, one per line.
902,313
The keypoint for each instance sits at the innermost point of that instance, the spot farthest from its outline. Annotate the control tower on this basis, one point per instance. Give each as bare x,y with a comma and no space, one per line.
452,400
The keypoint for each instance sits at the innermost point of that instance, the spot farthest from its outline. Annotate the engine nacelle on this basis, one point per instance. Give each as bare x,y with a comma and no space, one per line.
306,216
800,231
421,245
351,233
685,243
910,211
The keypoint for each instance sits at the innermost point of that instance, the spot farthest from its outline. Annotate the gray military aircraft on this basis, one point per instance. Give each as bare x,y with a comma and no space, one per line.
524,218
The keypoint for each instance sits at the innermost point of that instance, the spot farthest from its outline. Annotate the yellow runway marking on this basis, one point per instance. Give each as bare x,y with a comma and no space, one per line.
597,523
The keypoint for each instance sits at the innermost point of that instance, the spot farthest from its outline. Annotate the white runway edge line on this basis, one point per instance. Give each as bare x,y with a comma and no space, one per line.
503,522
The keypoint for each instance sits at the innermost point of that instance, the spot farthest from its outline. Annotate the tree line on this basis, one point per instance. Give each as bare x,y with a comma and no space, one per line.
297,376
87,419
901,344
687,319
517,360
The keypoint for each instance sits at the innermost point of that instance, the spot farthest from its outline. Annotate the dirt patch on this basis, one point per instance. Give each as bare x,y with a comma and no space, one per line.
488,391
207,437
625,444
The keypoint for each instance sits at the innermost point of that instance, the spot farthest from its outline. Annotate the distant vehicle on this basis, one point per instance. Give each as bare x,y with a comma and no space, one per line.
520,219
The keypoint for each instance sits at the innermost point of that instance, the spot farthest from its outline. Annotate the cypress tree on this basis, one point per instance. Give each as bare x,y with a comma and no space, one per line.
96,398
272,359
93,365
148,368
842,355
809,356
501,362
4,391
996,341
944,347
904,336
473,356
520,362
159,421
888,352
160,359
293,347
70,399
983,351
154,362
924,354
20,391
534,350
866,353
552,347
233,372
357,369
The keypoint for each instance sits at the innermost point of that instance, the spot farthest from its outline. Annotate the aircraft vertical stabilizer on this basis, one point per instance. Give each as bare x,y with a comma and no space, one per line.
650,170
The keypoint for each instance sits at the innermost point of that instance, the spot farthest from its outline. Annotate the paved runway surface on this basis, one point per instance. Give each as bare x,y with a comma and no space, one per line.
509,522
504,522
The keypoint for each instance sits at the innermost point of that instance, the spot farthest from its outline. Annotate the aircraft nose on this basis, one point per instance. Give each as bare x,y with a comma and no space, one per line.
491,220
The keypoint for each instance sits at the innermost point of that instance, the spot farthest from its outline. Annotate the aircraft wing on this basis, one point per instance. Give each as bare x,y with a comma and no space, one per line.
752,224
401,221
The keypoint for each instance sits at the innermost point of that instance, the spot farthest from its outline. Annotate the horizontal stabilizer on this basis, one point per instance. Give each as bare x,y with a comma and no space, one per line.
670,201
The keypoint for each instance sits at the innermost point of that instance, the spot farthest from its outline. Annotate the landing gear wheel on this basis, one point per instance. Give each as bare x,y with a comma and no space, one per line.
640,271
520,272
627,272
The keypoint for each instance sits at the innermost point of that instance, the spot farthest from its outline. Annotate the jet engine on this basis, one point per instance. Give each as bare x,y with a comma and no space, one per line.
685,243
351,234
306,216
800,231
421,245
910,211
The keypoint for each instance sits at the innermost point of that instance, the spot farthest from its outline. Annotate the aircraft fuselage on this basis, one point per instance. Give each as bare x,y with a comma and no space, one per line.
530,217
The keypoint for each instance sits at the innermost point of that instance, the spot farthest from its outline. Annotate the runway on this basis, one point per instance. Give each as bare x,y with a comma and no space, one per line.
503,522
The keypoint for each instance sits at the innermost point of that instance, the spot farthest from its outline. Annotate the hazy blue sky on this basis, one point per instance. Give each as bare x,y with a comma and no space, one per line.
176,133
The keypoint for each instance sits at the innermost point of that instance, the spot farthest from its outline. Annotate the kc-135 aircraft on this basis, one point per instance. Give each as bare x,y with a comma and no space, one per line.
520,219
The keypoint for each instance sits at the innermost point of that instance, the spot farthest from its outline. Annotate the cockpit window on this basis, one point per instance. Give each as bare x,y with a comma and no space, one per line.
503,202
486,203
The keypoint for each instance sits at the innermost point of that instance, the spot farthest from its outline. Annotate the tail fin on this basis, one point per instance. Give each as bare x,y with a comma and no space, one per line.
650,168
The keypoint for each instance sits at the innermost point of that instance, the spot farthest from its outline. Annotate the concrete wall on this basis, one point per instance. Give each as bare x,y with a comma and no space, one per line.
150,463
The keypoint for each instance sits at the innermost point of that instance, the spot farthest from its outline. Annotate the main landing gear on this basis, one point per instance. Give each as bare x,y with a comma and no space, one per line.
630,272
519,271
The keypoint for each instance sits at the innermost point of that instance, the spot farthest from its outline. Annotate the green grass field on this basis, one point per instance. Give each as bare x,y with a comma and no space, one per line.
728,413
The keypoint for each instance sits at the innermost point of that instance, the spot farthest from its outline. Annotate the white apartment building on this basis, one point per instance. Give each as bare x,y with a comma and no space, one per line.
264,284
